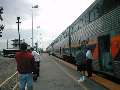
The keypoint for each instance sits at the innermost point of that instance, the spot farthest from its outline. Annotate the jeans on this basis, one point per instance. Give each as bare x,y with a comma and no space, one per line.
26,79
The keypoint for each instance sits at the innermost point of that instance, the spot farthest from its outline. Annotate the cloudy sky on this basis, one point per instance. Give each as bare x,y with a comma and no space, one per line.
52,17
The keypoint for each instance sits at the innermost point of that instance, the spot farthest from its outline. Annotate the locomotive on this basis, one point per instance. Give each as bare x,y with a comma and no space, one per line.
97,28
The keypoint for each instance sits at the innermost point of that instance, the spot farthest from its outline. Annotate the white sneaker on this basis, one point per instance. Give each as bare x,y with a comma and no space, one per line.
81,79
84,77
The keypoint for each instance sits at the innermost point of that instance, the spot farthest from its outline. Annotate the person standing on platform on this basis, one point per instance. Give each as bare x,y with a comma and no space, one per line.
25,67
81,62
37,61
89,59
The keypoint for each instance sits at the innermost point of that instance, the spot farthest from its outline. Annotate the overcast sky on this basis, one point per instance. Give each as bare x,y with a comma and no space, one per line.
52,17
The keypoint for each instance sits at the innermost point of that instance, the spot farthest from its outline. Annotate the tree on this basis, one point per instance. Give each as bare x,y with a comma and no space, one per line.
1,12
1,25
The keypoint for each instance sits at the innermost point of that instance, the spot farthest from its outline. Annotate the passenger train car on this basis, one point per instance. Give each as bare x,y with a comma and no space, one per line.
98,28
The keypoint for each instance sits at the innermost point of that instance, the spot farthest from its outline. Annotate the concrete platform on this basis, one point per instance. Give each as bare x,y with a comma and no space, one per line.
54,75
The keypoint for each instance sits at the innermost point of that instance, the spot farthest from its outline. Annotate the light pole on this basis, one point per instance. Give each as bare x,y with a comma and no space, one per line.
38,36
18,18
36,6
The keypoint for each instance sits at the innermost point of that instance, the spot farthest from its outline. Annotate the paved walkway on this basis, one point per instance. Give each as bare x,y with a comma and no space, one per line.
55,75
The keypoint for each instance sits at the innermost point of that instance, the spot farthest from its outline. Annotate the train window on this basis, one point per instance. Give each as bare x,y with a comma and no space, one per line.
85,21
89,17
78,27
81,20
63,36
75,28
72,29
92,16
86,18
66,34
97,13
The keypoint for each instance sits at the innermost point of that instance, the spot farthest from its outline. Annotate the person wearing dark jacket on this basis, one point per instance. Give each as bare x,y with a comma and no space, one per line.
80,61
25,67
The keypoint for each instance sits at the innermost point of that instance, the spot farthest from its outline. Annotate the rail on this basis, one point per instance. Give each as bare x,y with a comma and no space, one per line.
10,83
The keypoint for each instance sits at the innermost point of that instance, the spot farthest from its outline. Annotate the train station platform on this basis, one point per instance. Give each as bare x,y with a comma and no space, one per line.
54,75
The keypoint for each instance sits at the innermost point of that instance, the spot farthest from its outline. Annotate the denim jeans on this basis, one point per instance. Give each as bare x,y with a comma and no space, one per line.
26,79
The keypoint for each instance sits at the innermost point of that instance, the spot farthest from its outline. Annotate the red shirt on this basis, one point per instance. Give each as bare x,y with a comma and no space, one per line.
25,62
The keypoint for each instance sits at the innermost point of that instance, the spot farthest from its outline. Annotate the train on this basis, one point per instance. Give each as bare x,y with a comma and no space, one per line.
10,52
97,28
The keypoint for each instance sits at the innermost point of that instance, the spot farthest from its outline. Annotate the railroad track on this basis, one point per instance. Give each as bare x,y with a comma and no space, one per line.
10,83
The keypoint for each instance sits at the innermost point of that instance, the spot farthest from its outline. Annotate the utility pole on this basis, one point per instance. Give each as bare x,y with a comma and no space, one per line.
18,18
36,6
7,43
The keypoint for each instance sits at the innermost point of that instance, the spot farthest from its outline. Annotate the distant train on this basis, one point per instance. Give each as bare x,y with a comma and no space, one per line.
10,52
98,28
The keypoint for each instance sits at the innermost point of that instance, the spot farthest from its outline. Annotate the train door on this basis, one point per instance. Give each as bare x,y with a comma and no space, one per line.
105,59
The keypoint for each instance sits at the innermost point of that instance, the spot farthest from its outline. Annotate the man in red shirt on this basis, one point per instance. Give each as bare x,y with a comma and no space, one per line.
25,67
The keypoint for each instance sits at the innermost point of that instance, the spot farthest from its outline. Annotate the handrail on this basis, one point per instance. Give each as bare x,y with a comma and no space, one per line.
15,87
8,80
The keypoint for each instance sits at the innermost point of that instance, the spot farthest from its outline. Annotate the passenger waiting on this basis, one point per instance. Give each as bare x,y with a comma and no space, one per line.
37,64
89,59
25,67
